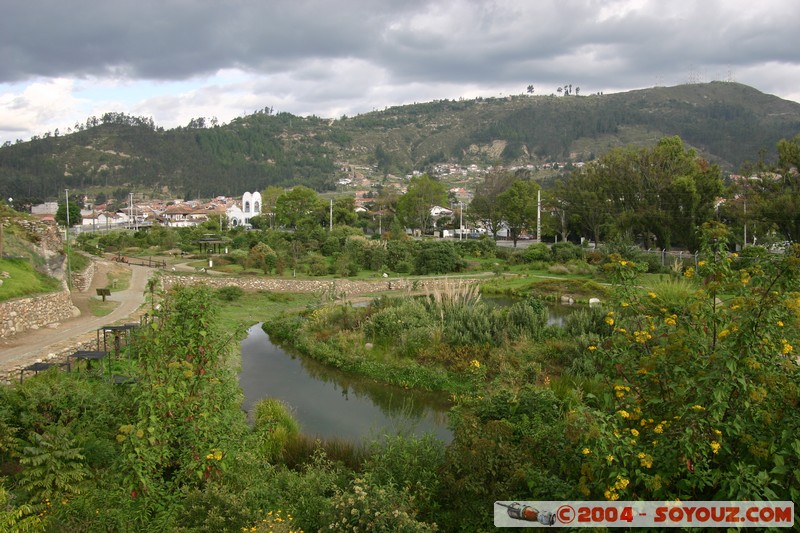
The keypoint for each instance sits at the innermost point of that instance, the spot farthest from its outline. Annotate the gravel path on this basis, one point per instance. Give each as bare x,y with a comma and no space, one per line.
29,346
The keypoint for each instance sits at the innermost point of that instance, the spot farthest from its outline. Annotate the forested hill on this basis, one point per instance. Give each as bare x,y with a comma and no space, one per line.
726,122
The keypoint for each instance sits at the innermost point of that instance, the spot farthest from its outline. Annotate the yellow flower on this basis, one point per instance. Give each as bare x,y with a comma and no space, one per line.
609,458
724,333
670,321
701,264
780,323
715,446
635,433
689,272
658,429
586,451
591,348
651,294
475,363
641,336
623,413
787,348
609,321
698,408
621,483
218,455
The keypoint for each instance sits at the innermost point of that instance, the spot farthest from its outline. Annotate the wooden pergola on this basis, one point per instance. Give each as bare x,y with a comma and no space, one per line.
210,245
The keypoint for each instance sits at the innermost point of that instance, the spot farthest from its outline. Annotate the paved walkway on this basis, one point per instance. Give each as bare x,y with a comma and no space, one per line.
29,346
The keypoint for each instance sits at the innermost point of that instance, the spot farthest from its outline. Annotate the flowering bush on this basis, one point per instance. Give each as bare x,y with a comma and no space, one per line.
370,506
701,403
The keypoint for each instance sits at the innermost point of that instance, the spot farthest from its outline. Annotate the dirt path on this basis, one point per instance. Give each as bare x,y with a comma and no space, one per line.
32,345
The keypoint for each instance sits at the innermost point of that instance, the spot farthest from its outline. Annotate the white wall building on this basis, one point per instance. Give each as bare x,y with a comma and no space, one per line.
240,214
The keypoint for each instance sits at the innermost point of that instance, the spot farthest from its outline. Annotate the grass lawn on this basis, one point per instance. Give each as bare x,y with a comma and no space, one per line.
119,280
23,280
260,306
100,308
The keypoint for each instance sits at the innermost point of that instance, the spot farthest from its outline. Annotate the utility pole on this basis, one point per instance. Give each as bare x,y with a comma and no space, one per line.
539,215
66,233
461,221
330,222
745,224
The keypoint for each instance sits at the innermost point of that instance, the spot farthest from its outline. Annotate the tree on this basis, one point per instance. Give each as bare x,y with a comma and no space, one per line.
661,194
269,200
300,206
414,207
775,199
75,218
344,211
485,205
518,206
530,89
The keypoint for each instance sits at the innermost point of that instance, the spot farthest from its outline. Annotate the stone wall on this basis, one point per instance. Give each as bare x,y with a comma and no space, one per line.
81,281
35,312
340,288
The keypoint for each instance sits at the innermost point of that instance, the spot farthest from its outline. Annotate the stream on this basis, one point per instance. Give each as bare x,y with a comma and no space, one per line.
329,403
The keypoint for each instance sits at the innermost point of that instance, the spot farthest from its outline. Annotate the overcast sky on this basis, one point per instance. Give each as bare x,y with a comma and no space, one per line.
62,61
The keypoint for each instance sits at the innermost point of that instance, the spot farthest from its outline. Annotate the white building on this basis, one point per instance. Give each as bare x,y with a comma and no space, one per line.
240,214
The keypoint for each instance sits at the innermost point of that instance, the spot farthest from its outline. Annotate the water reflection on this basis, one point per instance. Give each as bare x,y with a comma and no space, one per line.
330,403
557,314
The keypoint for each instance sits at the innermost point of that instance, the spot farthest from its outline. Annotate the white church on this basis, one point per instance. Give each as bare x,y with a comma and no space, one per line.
250,207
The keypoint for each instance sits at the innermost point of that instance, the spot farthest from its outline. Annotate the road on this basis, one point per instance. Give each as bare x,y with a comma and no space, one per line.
31,345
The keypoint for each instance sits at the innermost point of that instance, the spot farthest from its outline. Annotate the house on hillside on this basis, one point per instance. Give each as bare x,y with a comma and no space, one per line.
438,211
178,216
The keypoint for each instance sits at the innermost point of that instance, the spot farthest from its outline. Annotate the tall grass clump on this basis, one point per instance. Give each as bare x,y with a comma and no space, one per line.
674,292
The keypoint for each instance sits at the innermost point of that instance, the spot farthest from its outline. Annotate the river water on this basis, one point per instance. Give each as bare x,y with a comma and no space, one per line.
329,403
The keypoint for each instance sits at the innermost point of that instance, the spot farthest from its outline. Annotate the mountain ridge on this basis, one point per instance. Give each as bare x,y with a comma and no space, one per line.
727,123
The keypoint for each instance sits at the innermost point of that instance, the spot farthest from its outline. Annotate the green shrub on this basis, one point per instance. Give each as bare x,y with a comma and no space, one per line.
537,252
230,293
563,252
437,257
274,426
317,265
410,463
526,319
403,267
396,317
370,506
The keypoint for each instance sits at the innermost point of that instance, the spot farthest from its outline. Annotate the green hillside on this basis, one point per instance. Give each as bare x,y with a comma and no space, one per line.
728,123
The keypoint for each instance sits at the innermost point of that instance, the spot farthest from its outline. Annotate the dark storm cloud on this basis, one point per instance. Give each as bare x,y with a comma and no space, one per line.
61,61
178,39
433,41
